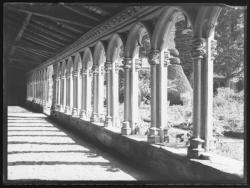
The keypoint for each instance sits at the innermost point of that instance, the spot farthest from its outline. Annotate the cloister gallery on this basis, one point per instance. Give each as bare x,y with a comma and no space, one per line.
80,84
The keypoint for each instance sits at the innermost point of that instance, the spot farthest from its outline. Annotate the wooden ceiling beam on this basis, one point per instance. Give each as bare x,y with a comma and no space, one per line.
58,36
33,44
36,49
31,56
23,60
34,52
81,13
26,44
39,41
47,38
50,14
53,27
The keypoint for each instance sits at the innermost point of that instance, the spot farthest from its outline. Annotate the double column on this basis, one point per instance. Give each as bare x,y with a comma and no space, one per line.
86,94
95,117
158,61
198,54
126,129
54,90
75,93
108,69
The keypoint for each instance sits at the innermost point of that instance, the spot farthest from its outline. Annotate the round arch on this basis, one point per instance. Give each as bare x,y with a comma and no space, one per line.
77,65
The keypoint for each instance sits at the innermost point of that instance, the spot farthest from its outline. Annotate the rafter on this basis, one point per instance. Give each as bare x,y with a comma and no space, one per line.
20,33
43,11
37,40
29,55
53,27
34,52
81,13
35,49
47,38
29,43
53,34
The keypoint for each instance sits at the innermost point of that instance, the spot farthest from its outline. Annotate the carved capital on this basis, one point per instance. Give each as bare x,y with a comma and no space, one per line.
127,62
138,64
154,57
102,71
213,49
108,66
166,58
198,48
75,73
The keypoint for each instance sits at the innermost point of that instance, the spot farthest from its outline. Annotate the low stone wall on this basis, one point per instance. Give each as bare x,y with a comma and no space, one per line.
174,168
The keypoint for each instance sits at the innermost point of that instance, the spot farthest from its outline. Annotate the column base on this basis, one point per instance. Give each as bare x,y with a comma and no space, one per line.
83,114
108,121
94,117
195,149
126,130
154,136
74,113
62,108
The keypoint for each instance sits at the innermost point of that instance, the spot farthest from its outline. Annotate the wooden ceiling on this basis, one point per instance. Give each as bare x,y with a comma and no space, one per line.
35,32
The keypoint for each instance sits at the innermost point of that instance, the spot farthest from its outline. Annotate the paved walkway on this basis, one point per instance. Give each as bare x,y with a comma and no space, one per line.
39,150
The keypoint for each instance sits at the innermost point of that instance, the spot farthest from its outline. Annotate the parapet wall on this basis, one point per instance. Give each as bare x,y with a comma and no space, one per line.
173,167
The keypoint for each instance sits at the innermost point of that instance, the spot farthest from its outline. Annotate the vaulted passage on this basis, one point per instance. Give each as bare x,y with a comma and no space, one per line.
39,149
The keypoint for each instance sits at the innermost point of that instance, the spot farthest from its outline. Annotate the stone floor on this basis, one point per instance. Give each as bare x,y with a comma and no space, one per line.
39,150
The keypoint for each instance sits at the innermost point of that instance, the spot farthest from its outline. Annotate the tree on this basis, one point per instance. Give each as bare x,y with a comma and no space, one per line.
229,33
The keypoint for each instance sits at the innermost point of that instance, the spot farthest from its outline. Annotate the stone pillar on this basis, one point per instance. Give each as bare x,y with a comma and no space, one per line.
100,94
126,130
58,89
207,95
63,96
154,60
88,89
71,93
83,96
115,108
67,109
54,90
108,68
198,52
133,95
75,93
79,92
94,117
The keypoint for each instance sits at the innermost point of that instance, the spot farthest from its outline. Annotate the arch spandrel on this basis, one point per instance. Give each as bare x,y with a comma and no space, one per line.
134,39
87,59
115,47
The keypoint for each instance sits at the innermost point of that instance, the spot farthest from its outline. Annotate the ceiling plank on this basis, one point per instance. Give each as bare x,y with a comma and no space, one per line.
39,28
82,13
29,55
35,49
29,43
34,52
53,27
43,12
49,39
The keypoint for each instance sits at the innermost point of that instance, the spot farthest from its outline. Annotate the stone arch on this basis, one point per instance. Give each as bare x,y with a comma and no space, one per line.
77,62
87,59
115,47
206,20
64,68
134,39
165,23
99,54
69,66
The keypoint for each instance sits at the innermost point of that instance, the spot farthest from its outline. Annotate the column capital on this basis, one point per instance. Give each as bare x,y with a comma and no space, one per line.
138,64
108,66
127,62
166,58
83,72
213,48
154,57
75,73
102,70
198,48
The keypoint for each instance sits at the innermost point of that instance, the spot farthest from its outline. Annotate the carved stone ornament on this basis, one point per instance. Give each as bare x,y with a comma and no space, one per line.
166,58
108,66
198,48
154,57
213,49
127,62
138,64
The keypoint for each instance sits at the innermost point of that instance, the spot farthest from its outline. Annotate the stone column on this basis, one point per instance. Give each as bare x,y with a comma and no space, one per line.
58,89
198,52
54,90
75,93
88,90
154,60
67,109
100,94
126,130
79,92
207,95
94,117
71,89
108,68
83,96
115,108
133,95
